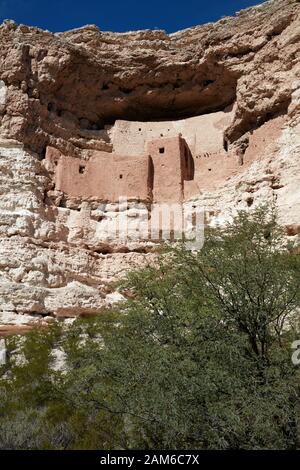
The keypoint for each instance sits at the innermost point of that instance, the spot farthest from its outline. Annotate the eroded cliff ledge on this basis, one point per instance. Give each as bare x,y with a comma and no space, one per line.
225,97
60,83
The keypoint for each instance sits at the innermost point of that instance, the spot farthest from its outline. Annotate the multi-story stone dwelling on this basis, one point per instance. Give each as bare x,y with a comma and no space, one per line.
154,161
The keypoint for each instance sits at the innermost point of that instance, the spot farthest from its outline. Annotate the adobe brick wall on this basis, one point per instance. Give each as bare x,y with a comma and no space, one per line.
212,169
202,133
158,175
104,177
168,168
263,141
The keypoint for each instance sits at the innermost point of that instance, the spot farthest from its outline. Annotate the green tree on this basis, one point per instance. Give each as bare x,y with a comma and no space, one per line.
197,357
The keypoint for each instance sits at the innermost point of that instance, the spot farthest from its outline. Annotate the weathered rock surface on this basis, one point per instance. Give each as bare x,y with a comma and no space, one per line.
67,90
63,88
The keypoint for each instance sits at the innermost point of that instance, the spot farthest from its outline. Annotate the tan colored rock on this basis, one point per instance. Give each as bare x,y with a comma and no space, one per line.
230,91
59,83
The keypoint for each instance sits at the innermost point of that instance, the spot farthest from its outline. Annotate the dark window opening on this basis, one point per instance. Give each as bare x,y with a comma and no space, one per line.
121,176
51,107
81,169
126,91
105,86
250,201
42,154
225,145
140,129
209,169
162,150
62,203
208,82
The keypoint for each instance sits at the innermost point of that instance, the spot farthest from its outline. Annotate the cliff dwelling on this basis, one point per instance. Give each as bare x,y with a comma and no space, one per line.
205,119
160,161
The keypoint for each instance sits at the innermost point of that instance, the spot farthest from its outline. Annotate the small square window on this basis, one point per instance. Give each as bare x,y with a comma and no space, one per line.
162,150
121,176
81,169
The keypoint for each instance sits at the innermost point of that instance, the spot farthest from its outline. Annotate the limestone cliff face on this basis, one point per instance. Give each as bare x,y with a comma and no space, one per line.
231,89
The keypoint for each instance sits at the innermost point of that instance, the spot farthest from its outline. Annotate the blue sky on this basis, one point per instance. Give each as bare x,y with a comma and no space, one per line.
118,15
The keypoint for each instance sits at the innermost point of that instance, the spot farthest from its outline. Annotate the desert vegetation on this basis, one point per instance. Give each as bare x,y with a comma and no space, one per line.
197,357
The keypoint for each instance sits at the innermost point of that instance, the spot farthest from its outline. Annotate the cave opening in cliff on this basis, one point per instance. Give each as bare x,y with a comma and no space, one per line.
160,115
177,98
163,114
